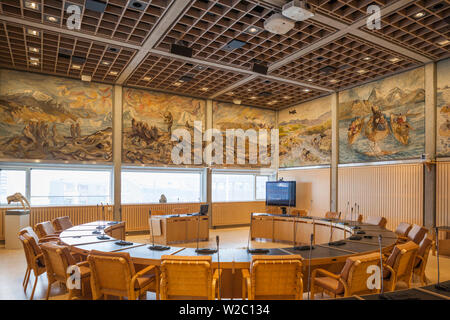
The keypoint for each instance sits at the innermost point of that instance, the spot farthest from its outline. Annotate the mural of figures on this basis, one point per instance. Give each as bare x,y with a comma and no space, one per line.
443,108
51,118
305,134
383,120
149,118
233,116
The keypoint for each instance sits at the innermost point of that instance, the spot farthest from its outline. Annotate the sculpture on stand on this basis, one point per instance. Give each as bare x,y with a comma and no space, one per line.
18,197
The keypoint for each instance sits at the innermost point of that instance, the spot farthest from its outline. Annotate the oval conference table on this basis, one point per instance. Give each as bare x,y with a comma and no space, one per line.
83,238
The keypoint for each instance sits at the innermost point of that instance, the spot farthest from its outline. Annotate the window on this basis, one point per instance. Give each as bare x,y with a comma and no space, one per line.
148,186
70,187
11,181
238,186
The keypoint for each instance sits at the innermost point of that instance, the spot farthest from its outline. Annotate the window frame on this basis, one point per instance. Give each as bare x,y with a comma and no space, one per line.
201,171
255,173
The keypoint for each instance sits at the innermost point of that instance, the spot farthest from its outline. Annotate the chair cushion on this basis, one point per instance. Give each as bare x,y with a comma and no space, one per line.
417,233
329,284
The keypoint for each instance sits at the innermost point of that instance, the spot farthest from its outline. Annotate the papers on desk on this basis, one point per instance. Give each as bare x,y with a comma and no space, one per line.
155,226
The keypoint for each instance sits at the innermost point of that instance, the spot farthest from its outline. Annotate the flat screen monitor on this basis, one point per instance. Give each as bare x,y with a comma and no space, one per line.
281,193
203,209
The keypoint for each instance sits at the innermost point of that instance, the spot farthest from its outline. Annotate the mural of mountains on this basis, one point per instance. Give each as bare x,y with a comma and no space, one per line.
309,122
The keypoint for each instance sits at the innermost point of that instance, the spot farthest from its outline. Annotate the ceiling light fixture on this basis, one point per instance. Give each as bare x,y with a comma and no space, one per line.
419,15
33,49
361,71
31,5
52,19
310,80
76,66
394,60
253,97
443,42
367,58
204,89
34,61
333,81
230,93
106,63
33,32
306,90
177,84
253,30
297,10
286,97
147,78
113,73
86,78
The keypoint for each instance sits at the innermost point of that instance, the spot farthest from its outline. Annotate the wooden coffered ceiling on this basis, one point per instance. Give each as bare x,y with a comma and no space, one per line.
130,46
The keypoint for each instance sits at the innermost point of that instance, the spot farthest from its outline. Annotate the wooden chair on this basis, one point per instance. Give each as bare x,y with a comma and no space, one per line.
113,273
422,258
331,215
299,212
188,278
352,279
57,260
376,221
34,258
274,278
45,229
62,223
399,265
416,234
403,229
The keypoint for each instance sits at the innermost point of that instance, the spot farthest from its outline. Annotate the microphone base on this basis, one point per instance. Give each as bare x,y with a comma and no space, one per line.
303,248
112,223
336,243
96,232
258,251
360,232
100,227
355,227
123,243
103,237
382,296
158,248
355,238
206,251
442,287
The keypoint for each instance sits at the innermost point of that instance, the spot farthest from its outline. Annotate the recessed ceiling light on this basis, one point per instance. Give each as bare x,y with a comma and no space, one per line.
106,63
253,97
204,89
33,32
272,102
394,60
76,66
310,80
333,81
52,19
138,5
367,58
249,90
200,67
177,84
34,61
237,101
230,93
443,42
286,97
33,49
253,30
361,71
113,73
86,78
32,5
306,90
419,15
147,78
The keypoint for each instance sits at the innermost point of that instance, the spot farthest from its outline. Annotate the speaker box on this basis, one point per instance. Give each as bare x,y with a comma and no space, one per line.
259,68
181,50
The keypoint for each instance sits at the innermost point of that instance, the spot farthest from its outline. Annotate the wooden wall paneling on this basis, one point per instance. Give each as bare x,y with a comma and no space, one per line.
442,195
235,213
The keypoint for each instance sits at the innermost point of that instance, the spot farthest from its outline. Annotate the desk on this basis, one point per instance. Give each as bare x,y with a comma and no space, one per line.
233,260
181,228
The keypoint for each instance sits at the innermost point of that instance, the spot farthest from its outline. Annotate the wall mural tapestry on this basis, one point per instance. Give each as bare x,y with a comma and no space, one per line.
305,134
50,118
383,120
233,116
149,118
443,108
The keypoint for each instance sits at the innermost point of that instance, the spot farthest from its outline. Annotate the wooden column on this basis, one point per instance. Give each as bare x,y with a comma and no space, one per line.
429,203
208,182
334,151
117,151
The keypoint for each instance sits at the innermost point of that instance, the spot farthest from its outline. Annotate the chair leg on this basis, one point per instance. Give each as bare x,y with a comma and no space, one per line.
27,280
26,276
34,287
49,288
70,294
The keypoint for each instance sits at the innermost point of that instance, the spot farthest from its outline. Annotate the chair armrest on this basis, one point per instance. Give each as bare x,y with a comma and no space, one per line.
83,264
48,239
141,273
246,283
326,273
422,261
215,278
38,256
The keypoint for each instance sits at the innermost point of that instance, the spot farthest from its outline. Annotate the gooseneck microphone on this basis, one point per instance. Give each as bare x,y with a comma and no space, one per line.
218,266
438,285
102,236
381,263
153,246
309,264
202,250
254,250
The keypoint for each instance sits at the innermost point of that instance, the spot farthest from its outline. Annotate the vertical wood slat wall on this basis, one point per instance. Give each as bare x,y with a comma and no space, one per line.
235,213
135,216
442,194
392,191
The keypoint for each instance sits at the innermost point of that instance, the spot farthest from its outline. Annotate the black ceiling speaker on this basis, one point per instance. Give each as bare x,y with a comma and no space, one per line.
260,68
181,50
234,44
77,59
327,70
187,78
96,5
265,94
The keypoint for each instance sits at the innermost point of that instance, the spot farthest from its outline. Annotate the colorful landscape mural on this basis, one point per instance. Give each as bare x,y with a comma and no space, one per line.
305,134
233,116
383,120
443,109
50,118
149,118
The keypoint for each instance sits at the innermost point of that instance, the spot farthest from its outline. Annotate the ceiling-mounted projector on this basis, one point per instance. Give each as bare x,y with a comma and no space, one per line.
278,24
297,10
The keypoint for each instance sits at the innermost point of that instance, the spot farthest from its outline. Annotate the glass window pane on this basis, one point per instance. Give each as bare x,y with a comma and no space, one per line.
233,187
147,187
70,187
11,181
261,187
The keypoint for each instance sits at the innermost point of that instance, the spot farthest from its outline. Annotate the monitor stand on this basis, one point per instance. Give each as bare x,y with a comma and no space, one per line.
283,210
